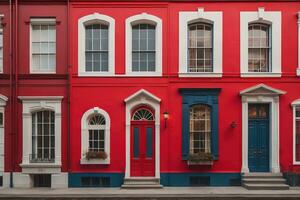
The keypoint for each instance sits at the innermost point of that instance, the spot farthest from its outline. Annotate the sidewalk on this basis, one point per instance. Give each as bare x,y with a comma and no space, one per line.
165,193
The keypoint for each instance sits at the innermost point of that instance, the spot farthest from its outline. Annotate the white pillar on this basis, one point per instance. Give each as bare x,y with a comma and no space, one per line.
275,167
298,69
245,168
127,164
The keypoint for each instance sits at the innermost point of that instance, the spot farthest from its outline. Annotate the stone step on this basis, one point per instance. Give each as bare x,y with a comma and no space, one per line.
262,175
262,186
141,183
264,180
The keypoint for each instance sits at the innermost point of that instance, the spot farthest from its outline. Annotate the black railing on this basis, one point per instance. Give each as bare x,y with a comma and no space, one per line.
35,158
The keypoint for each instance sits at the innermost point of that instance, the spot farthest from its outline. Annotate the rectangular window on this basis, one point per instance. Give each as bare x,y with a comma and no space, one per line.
43,137
41,180
96,48
43,46
143,48
96,140
1,50
297,132
1,119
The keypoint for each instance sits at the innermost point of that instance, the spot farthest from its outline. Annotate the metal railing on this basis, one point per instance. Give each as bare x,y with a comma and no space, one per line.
35,158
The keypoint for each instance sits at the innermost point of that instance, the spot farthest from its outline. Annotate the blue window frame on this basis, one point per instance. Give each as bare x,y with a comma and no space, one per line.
203,96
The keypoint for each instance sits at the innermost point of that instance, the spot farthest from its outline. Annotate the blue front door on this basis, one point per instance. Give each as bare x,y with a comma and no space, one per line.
258,137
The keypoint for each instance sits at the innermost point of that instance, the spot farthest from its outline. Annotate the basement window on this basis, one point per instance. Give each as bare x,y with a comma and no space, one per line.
42,180
199,181
95,182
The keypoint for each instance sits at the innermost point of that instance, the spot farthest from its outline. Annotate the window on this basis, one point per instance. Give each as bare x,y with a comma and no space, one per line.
41,180
41,134
200,48
260,40
95,137
43,46
143,114
200,129
96,133
96,48
96,45
259,48
200,43
143,45
200,111
296,130
43,137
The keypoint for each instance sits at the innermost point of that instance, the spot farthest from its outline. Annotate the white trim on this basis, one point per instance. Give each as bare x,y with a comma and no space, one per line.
215,18
90,19
298,22
294,105
150,19
85,136
273,18
32,104
143,97
41,21
273,99
3,100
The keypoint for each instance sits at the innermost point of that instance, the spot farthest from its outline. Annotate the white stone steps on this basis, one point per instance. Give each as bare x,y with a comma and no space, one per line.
262,186
141,183
264,181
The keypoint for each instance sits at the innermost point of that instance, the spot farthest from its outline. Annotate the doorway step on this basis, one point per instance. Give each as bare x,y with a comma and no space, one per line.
141,183
264,181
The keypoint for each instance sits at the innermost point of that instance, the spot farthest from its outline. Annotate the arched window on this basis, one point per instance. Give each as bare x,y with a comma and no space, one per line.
96,48
143,48
200,47
96,45
43,136
96,129
259,49
200,129
143,45
143,114
95,137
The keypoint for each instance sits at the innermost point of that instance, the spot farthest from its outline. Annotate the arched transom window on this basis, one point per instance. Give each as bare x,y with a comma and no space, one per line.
143,114
259,49
200,128
200,47
43,136
96,131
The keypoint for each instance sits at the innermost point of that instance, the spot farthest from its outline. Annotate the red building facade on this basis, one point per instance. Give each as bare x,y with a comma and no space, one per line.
184,93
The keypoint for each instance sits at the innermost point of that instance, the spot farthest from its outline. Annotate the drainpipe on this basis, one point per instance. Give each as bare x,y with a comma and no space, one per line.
11,90
68,90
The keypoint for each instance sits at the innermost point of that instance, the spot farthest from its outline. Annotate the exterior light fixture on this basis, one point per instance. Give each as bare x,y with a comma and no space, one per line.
166,117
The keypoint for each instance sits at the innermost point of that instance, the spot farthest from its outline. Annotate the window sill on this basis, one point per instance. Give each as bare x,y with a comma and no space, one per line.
42,72
143,74
260,74
95,74
200,74
35,168
206,163
84,161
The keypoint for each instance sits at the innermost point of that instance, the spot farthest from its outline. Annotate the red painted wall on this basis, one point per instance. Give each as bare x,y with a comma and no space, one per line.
109,93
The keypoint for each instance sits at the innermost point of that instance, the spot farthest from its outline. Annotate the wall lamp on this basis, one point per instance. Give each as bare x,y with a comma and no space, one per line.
233,124
166,117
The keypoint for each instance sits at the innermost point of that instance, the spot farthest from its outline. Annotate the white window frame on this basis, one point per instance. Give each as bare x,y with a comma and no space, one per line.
272,18
41,21
91,19
148,19
5,175
85,136
33,104
295,104
211,17
298,22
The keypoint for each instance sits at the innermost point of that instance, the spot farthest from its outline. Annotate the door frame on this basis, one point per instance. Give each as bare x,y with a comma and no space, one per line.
273,102
140,98
268,130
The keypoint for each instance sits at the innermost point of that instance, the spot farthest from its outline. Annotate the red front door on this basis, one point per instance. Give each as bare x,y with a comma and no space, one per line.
142,153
